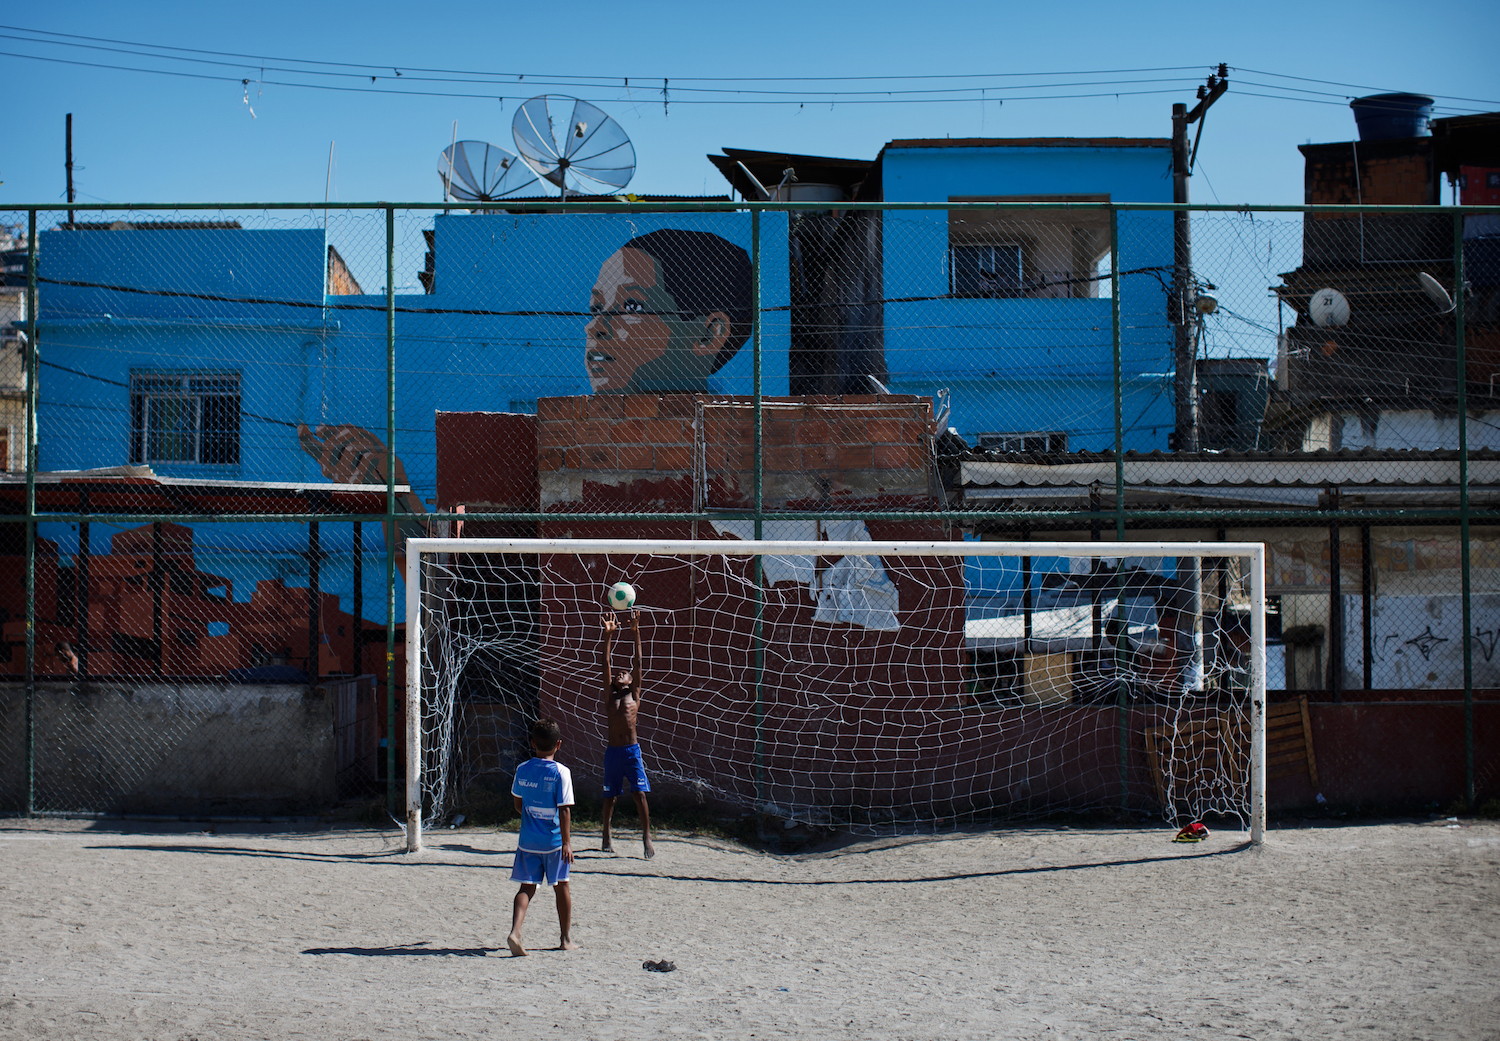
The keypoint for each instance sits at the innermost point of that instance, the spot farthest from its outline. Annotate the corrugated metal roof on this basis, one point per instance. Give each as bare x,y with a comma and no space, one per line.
1372,467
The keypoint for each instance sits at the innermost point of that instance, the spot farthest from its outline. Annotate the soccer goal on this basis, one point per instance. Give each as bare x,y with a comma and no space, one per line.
835,681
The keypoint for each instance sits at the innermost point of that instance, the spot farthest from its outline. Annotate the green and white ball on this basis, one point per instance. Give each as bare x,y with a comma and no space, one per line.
621,596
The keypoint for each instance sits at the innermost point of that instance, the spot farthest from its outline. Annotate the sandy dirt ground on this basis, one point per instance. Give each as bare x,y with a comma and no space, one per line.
1369,931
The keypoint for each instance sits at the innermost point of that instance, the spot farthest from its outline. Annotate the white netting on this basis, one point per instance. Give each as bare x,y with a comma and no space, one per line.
859,691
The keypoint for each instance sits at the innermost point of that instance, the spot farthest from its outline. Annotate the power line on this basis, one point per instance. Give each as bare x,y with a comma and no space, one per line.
1355,86
971,93
1325,94
259,60
145,49
528,84
809,99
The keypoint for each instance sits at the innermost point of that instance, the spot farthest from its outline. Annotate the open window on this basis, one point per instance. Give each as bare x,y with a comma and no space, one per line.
1039,253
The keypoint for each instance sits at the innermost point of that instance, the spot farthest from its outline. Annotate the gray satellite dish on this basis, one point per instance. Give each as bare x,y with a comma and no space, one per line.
573,145
1328,307
1435,291
473,171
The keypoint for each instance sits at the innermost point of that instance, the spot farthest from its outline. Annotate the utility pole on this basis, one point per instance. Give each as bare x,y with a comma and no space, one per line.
1183,311
69,166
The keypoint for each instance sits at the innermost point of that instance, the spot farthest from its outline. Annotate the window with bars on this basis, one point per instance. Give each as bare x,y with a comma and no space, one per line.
185,417
986,269
1025,441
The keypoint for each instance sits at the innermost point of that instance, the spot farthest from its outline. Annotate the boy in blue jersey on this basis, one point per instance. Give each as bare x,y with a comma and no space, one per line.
543,790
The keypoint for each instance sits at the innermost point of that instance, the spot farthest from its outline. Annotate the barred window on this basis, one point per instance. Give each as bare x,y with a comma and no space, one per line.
185,417
987,270
1024,441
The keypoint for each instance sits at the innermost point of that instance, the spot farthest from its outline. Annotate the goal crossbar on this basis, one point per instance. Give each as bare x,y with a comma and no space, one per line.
418,549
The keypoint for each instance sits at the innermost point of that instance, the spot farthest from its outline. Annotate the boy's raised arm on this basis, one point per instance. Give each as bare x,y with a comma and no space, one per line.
635,628
610,625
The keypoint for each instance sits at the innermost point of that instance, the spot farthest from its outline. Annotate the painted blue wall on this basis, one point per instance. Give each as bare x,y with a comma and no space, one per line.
1017,365
318,364
252,302
937,174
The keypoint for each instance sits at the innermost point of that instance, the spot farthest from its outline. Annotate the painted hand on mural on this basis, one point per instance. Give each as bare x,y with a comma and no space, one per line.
348,454
670,309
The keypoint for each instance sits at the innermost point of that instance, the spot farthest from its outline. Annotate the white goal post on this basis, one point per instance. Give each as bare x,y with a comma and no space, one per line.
979,720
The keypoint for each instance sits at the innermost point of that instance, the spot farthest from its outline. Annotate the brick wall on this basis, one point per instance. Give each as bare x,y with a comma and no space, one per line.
1391,173
646,453
680,451
1397,181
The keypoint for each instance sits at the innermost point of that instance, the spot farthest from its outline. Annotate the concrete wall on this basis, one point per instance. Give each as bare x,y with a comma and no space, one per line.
170,748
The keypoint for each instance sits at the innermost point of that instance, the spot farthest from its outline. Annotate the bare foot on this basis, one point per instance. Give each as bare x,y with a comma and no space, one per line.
567,945
606,847
650,850
514,943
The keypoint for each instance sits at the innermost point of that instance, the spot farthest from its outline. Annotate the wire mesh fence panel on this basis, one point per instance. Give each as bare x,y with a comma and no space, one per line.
242,417
174,675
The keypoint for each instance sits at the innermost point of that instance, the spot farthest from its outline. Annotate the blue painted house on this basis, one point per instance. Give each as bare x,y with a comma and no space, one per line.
1009,311
1021,295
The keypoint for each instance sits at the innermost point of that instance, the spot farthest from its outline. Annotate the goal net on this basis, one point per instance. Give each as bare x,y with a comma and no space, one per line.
836,681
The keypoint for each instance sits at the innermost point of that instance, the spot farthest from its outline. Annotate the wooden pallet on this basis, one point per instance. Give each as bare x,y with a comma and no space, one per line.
1209,745
1289,744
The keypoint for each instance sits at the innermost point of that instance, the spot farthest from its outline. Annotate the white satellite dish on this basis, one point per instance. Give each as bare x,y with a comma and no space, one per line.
1328,307
1435,291
473,171
573,145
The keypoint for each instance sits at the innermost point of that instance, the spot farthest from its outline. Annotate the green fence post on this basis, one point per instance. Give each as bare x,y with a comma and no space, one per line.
1122,709
31,461
759,571
1463,503
392,532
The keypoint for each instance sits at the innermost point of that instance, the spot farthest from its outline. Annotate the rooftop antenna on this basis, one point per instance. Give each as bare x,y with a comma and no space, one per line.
69,165
787,176
573,145
474,171
448,177
327,183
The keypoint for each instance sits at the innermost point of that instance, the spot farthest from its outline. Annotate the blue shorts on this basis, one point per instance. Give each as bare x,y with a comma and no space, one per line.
622,766
534,868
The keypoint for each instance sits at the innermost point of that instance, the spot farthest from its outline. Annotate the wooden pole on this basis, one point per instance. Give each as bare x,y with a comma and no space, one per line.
1184,383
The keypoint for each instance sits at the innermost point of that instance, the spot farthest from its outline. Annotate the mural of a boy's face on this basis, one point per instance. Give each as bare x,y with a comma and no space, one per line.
638,341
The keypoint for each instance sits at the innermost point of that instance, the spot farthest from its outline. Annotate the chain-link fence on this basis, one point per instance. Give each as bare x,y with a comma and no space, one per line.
221,424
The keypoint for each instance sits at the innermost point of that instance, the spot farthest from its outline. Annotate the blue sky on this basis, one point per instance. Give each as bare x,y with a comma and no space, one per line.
152,138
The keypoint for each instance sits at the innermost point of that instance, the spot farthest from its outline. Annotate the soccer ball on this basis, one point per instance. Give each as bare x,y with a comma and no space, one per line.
621,596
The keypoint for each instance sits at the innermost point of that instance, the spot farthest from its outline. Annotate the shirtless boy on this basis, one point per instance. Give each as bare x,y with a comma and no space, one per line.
622,759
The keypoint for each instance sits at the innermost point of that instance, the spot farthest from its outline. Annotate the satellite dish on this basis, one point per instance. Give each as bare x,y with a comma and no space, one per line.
573,145
1328,307
473,171
1435,291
